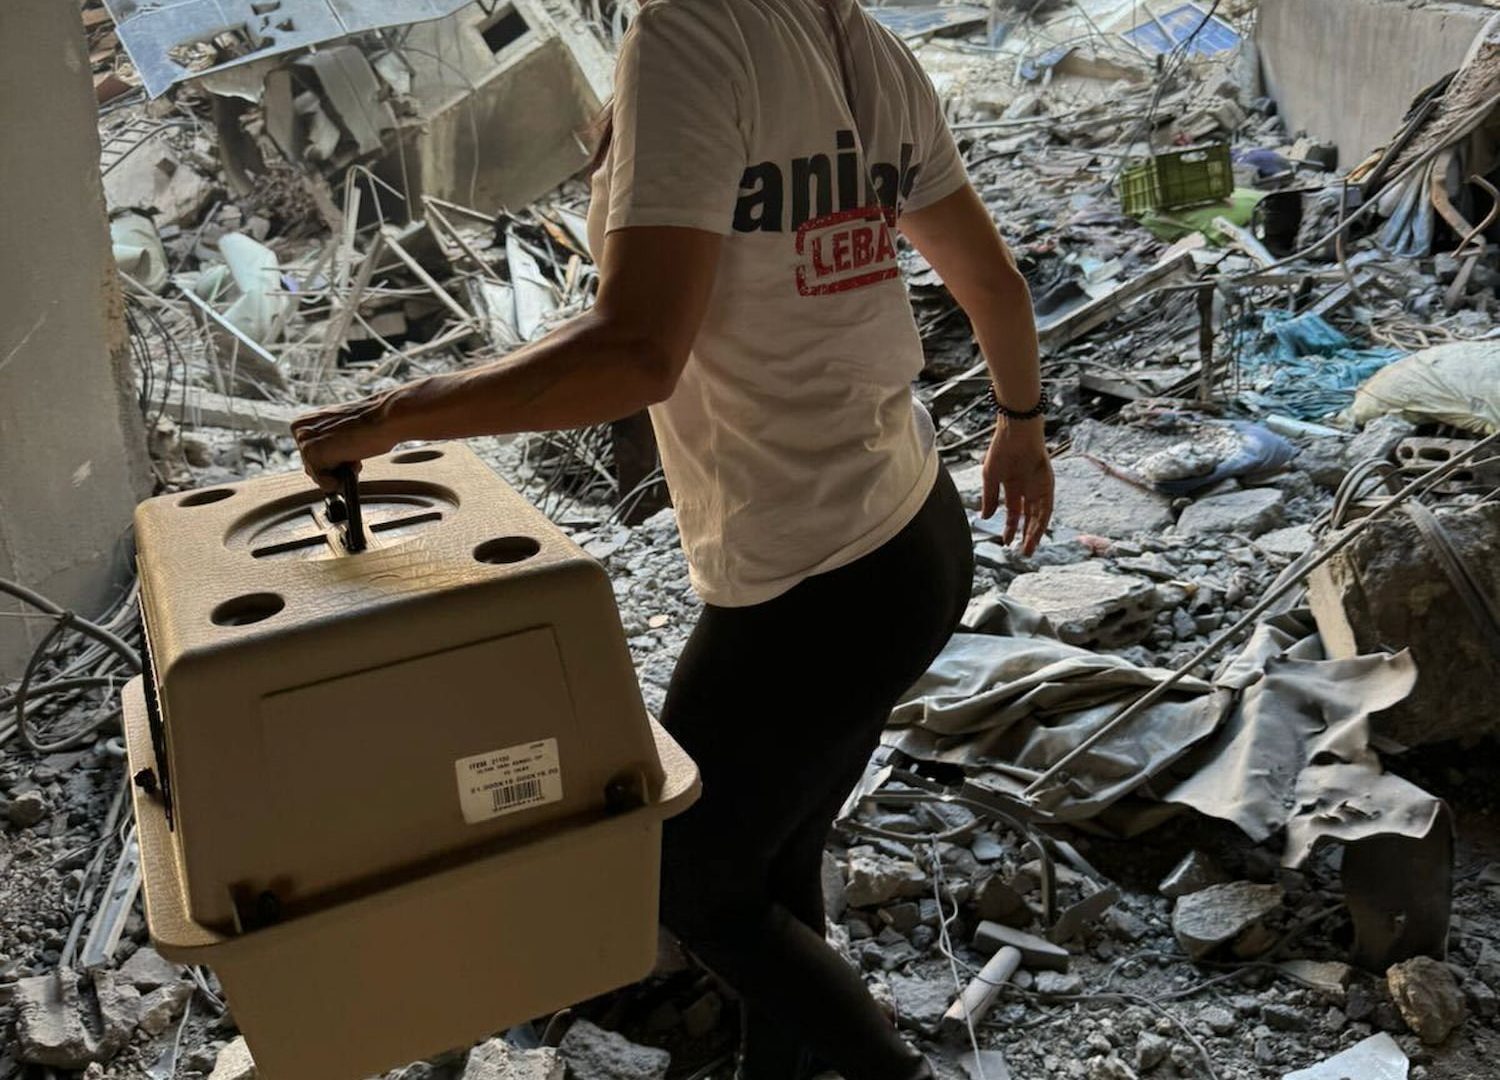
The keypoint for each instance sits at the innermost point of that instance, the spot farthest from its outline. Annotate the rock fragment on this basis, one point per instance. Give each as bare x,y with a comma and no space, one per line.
1088,605
920,1003
1151,1050
26,809
592,1053
1291,541
1218,1019
1220,914
234,1062
1092,501
162,1006
1249,512
877,878
1285,1018
998,902
1427,993
147,969
1389,588
1058,984
1379,439
498,1060
66,1022
1329,977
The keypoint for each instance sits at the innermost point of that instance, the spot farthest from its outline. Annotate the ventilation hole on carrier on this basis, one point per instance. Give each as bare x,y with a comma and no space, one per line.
203,498
507,549
412,457
247,609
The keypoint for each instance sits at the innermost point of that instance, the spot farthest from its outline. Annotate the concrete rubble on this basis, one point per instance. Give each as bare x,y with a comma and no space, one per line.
233,1062
1228,914
1088,605
1194,873
1397,586
1250,512
1210,429
1427,993
498,1060
592,1053
69,1022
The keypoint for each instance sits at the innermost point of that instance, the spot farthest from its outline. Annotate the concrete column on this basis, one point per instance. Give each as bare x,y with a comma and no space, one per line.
72,449
1347,70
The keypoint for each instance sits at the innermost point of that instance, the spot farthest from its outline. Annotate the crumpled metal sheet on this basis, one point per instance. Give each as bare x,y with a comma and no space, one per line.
151,31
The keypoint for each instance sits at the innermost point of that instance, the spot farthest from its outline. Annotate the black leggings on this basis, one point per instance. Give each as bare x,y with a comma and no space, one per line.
781,705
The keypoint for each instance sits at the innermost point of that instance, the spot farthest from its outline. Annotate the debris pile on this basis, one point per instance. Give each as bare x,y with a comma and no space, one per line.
1182,798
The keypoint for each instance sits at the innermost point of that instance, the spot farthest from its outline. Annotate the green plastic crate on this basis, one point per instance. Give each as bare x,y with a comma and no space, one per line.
1188,177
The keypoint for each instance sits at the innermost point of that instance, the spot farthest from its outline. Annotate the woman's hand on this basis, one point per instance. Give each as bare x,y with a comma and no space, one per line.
1017,463
343,435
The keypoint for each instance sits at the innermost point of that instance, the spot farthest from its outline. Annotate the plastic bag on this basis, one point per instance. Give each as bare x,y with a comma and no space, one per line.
1456,384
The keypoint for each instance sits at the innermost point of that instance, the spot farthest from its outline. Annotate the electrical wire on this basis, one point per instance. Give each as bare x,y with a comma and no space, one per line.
945,943
106,661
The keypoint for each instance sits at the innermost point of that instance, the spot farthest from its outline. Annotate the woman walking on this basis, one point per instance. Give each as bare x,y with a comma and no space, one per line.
760,156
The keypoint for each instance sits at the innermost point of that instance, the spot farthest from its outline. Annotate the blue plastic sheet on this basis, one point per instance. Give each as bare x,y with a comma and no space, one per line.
1261,451
916,22
1305,367
1166,32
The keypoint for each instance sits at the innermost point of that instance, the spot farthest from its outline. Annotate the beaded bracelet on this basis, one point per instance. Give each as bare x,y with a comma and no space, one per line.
1014,414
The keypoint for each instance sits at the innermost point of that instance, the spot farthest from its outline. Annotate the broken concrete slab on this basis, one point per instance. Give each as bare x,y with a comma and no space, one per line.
152,177
921,1003
1035,952
67,1022
1058,984
1390,589
147,969
1222,914
1291,541
1427,993
204,408
1324,461
1250,512
1375,1058
1328,977
1379,439
1091,500
499,1060
878,878
592,1053
234,1062
1089,605
1194,873
162,1006
985,1065
996,901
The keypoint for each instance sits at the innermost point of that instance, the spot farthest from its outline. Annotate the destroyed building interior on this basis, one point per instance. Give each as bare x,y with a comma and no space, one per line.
1206,786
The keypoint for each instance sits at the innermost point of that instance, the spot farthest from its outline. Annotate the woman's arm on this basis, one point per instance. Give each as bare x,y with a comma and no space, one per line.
625,353
958,237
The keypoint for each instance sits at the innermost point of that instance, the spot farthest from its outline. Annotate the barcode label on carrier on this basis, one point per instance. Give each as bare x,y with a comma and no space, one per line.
506,781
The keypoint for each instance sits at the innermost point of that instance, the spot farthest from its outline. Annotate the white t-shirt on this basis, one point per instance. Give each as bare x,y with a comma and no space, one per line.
792,443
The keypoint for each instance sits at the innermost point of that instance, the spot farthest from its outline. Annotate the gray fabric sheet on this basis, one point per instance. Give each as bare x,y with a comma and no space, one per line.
1279,739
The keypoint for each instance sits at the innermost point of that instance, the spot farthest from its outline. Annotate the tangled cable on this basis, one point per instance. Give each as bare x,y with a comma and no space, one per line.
105,662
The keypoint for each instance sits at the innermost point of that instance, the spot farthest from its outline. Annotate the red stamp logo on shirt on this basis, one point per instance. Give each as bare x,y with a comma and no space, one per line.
845,250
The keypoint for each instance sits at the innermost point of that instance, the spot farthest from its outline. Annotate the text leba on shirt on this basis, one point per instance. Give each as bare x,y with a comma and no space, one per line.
841,247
